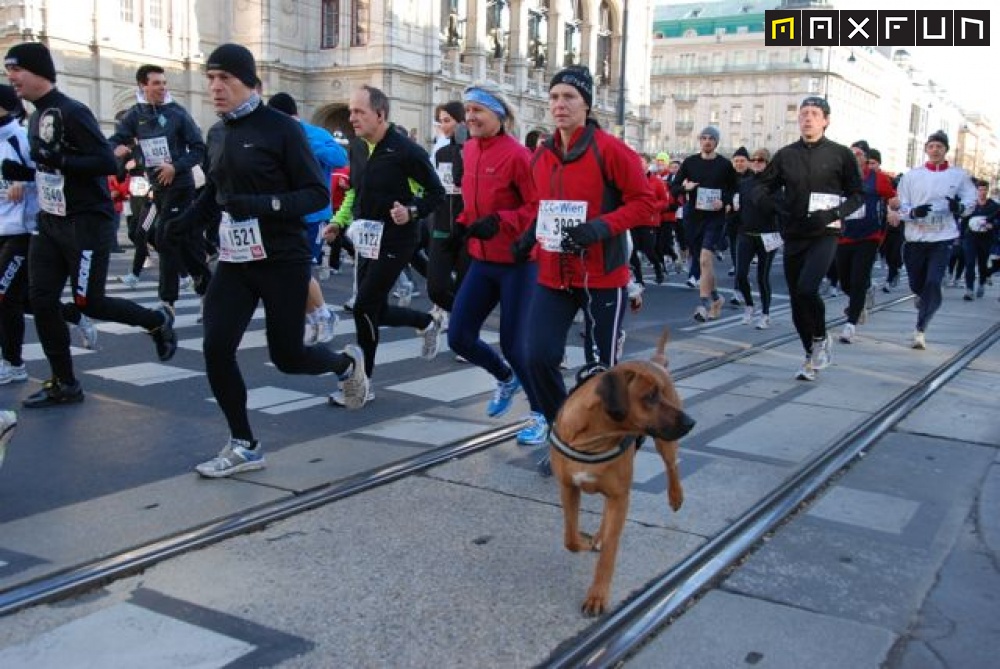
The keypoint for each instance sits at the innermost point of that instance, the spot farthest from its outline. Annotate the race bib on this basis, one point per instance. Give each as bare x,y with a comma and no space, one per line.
979,224
51,197
447,178
858,214
772,241
367,237
736,201
240,241
932,225
823,201
156,151
706,198
138,186
554,218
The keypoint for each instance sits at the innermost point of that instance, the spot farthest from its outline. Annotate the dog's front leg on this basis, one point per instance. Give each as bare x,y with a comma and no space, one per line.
675,491
573,539
612,524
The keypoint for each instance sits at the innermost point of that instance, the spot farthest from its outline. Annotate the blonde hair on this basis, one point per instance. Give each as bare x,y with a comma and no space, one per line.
494,91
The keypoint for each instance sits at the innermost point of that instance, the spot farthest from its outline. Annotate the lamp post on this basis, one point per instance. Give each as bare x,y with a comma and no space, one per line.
620,118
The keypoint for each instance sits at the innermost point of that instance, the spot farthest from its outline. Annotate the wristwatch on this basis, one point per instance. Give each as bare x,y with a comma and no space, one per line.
275,204
414,212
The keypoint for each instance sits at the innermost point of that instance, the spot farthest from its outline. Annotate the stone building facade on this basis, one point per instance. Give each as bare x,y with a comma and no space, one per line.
421,52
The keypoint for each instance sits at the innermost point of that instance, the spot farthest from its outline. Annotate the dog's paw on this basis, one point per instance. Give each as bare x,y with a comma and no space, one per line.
595,604
582,542
676,499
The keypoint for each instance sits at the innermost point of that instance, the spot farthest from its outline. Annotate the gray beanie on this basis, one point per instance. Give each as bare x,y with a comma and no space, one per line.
710,131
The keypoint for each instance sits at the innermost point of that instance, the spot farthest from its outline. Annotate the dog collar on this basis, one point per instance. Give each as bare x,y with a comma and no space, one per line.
591,458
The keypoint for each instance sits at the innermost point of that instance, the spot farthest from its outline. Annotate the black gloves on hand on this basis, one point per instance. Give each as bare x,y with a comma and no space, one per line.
486,227
955,206
15,171
523,245
823,218
242,207
43,156
578,238
921,211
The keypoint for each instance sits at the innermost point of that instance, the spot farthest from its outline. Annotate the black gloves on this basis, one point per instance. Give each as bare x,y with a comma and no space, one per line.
43,156
578,238
15,171
523,245
486,227
955,206
921,211
823,217
242,207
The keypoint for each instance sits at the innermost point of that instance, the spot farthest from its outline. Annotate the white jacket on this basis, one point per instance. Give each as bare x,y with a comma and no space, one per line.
922,186
16,218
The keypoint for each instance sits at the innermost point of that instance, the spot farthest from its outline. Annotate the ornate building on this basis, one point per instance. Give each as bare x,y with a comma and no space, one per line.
420,52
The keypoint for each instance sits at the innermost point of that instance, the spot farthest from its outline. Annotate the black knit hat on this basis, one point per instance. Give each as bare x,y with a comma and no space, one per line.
742,151
33,57
237,61
578,77
875,155
938,136
284,102
10,102
863,145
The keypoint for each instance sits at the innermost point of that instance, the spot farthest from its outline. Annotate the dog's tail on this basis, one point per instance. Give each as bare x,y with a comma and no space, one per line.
660,356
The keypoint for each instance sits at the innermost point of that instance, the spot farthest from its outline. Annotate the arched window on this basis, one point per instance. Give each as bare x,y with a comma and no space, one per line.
359,22
497,27
453,20
604,32
329,24
538,33
573,18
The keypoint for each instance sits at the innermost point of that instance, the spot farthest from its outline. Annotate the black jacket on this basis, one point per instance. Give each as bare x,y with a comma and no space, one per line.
380,176
146,121
802,169
451,205
262,159
756,217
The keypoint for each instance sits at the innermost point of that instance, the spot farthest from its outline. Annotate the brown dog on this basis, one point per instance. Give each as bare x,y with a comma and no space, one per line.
593,445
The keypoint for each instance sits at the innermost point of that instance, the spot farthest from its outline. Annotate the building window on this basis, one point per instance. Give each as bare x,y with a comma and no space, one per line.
359,22
716,87
155,14
127,11
329,24
758,114
813,85
498,27
573,15
791,114
538,34
713,115
737,116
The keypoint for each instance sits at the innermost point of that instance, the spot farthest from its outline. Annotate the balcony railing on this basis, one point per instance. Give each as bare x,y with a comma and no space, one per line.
683,126
782,66
685,97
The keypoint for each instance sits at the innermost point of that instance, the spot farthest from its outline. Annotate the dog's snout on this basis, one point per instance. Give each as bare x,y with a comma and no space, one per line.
685,423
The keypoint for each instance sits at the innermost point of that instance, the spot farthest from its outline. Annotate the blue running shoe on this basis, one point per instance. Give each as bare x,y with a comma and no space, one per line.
503,397
536,433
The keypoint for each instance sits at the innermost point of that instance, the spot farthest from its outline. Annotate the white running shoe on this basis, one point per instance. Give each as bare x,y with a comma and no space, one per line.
847,335
806,372
431,336
130,280
748,315
822,353
326,325
763,322
12,373
919,341
356,387
87,332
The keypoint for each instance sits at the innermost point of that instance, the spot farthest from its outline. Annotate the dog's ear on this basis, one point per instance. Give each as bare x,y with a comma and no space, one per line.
612,388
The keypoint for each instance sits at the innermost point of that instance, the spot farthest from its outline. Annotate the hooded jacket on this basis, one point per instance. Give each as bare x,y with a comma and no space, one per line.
144,121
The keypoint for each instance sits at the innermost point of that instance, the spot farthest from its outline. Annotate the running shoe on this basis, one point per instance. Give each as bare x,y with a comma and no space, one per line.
87,332
692,282
431,337
12,373
748,315
503,397
326,326
919,341
715,310
822,353
356,386
763,322
847,335
349,304
736,300
238,455
130,280
164,336
54,393
8,421
311,334
968,296
981,291
336,398
806,372
185,283
701,314
536,432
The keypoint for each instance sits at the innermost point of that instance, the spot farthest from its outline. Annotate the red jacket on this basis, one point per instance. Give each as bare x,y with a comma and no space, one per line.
119,192
605,173
497,180
883,190
340,182
660,196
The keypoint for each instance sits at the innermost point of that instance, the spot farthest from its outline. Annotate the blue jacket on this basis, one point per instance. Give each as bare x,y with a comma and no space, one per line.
329,156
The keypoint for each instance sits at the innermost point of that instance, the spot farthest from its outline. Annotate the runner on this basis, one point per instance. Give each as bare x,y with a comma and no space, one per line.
980,228
758,238
76,226
931,197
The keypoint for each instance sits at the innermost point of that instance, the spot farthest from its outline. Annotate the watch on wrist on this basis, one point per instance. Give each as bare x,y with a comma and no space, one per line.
414,212
275,204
